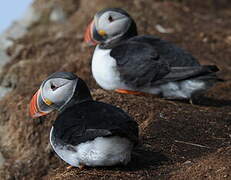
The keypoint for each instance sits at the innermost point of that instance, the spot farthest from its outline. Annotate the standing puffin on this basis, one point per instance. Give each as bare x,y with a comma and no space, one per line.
129,63
86,132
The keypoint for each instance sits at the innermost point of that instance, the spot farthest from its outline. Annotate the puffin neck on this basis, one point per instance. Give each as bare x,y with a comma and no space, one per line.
80,95
132,31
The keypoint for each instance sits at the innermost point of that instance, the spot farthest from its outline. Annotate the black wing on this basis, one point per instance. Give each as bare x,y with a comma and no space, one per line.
88,120
172,54
194,72
140,64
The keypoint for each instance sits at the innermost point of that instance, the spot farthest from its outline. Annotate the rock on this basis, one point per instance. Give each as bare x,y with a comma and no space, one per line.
161,29
12,77
2,160
228,40
4,91
17,30
58,15
4,58
187,162
225,176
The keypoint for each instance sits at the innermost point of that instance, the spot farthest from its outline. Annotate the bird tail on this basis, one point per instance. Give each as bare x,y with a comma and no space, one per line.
208,72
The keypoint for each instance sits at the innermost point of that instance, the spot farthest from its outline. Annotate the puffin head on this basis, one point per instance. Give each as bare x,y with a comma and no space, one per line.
110,26
57,92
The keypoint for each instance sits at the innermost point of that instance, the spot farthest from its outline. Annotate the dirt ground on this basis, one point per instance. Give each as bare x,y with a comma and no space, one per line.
177,140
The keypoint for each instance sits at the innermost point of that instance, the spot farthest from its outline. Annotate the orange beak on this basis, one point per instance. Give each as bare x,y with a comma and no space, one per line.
88,36
34,109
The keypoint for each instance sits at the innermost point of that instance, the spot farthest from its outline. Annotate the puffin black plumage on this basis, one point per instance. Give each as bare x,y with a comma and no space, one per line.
86,132
130,63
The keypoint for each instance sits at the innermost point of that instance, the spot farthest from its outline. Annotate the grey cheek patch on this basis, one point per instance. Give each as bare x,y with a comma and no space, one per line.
58,98
119,28
61,107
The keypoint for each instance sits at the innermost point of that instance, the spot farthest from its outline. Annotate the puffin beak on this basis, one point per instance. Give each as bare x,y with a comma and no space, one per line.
34,107
88,36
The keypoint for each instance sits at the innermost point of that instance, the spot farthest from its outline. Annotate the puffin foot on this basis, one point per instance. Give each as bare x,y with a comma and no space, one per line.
191,101
81,167
69,167
124,91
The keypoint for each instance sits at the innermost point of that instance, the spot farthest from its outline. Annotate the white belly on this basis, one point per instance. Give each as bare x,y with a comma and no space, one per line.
101,151
104,70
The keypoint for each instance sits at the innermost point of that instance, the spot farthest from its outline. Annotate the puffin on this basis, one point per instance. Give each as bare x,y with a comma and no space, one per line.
126,62
85,132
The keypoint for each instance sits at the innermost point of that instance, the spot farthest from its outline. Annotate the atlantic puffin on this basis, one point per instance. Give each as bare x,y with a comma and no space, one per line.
86,132
126,62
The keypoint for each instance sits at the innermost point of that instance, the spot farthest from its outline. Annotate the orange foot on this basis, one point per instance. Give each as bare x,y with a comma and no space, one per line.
124,91
81,167
69,167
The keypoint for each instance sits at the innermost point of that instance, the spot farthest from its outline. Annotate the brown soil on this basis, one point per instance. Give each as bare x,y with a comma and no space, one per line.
177,140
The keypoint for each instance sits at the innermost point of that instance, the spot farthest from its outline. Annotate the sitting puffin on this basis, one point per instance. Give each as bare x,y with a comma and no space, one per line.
129,63
86,132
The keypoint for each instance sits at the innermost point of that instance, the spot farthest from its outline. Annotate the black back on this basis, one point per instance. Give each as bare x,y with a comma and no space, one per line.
87,120
148,61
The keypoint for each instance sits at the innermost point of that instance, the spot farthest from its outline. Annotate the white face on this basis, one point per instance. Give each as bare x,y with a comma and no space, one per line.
58,91
113,23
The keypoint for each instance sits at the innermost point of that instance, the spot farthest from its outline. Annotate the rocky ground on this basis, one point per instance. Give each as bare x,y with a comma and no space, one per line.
177,140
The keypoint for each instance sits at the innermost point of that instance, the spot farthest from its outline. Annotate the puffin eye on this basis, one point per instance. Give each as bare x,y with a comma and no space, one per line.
53,87
110,19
